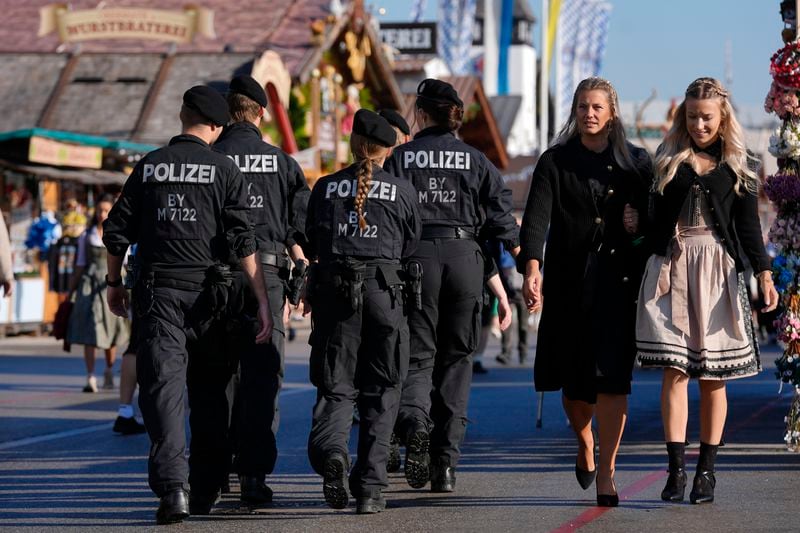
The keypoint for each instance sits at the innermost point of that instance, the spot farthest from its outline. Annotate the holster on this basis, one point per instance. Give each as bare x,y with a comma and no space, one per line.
297,283
132,271
343,279
212,304
143,293
413,272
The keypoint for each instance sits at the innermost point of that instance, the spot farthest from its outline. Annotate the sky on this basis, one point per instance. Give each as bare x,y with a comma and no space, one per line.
665,44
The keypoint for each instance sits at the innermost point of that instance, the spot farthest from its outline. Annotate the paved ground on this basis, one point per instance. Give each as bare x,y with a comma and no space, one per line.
61,468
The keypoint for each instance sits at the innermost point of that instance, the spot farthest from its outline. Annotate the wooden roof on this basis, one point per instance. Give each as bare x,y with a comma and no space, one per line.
250,26
126,89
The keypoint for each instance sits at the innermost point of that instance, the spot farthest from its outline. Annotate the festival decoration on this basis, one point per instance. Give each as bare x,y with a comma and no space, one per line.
783,189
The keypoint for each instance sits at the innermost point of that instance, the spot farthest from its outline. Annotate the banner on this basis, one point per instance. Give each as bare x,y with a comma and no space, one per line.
50,152
456,21
417,8
126,23
582,36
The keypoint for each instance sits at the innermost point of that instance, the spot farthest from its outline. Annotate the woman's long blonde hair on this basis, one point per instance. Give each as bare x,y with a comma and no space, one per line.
677,145
366,153
616,130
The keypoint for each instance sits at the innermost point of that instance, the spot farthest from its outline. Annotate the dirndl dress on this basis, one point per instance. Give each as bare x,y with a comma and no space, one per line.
694,309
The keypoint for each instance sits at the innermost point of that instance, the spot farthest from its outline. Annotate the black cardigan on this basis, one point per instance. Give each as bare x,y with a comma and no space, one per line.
560,198
736,220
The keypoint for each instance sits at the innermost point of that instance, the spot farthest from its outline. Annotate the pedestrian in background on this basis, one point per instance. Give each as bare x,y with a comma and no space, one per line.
6,271
91,323
588,189
362,222
694,317
512,283
461,195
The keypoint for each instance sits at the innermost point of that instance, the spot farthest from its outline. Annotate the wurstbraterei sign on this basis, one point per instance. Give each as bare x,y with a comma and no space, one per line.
126,23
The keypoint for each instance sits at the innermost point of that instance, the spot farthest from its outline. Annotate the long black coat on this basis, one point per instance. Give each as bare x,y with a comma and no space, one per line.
589,309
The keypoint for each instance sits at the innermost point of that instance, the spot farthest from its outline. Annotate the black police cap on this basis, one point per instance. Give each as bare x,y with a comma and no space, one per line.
247,86
374,127
209,103
395,119
438,91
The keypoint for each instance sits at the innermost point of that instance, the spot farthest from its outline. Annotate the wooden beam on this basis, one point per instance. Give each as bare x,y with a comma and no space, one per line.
152,96
46,118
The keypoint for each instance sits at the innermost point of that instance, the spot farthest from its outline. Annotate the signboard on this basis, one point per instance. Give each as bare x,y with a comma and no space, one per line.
50,152
410,37
126,23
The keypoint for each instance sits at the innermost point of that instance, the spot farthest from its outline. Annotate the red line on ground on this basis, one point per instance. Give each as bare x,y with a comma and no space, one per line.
594,513
638,486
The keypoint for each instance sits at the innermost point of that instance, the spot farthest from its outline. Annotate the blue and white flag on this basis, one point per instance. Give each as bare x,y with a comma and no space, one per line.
456,21
417,8
582,33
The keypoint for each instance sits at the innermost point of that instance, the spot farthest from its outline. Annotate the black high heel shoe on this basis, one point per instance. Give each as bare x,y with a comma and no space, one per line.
585,477
608,500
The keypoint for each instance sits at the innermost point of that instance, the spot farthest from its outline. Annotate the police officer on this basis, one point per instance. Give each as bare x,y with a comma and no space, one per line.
361,223
277,195
460,194
184,205
398,123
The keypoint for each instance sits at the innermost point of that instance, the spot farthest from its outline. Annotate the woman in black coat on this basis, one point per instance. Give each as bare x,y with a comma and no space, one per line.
588,189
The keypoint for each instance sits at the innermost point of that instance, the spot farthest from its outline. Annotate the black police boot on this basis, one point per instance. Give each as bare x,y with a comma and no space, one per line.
370,504
393,464
254,490
334,484
676,482
174,507
704,480
128,426
443,477
201,504
418,460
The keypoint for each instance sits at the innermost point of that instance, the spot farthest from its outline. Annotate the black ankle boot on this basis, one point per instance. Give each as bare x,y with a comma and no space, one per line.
704,480
676,482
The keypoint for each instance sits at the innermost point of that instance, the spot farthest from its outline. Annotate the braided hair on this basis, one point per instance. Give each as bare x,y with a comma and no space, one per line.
366,153
677,147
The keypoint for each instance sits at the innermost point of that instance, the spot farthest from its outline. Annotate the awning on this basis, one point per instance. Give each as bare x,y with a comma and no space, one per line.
77,138
86,176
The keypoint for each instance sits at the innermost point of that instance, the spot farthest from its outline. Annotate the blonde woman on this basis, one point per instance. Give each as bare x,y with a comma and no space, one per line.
694,318
588,189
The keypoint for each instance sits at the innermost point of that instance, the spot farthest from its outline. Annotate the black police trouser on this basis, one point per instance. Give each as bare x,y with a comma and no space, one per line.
211,367
233,390
357,358
260,379
161,366
444,334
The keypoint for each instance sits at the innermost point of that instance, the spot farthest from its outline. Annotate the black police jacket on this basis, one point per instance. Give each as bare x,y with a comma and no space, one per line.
277,191
184,205
393,220
457,186
736,219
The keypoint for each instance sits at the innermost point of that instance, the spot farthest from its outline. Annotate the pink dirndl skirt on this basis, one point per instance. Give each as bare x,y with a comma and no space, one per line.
694,311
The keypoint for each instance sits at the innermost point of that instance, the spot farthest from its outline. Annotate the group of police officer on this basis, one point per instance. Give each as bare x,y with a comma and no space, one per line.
396,281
